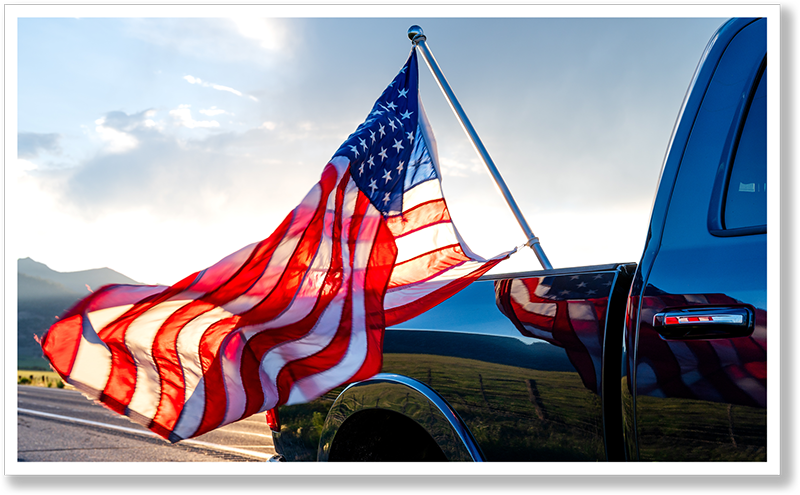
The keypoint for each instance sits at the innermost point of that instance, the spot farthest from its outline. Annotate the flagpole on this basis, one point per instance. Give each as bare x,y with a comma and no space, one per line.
418,39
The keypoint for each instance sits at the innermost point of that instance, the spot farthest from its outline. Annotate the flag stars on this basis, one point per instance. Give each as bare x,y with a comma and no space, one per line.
397,145
373,185
372,135
386,197
391,105
361,169
371,161
387,176
354,150
383,154
404,93
410,136
406,114
400,167
392,125
363,143
382,130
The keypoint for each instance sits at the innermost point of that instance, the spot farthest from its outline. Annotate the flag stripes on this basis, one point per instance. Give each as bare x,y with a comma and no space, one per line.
284,320
564,318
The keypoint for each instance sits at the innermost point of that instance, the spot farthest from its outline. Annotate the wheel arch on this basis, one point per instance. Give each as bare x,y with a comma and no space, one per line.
405,396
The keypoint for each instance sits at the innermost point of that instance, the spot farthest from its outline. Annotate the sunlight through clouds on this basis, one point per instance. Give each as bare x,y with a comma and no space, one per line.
269,33
176,127
183,117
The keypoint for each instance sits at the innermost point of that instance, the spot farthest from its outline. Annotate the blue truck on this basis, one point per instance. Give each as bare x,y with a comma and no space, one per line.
660,360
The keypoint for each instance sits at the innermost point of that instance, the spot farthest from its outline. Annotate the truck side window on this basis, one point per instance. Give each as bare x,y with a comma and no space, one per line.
746,197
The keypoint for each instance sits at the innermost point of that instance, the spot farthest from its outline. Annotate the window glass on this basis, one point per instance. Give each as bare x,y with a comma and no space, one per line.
746,199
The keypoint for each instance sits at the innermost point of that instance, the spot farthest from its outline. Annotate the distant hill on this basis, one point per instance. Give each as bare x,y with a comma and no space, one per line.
74,281
44,294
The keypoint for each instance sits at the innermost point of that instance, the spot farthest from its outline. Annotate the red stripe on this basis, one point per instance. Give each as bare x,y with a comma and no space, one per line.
251,270
427,266
253,390
337,349
165,356
298,264
213,380
61,342
283,294
331,354
269,308
121,382
379,270
418,217
400,314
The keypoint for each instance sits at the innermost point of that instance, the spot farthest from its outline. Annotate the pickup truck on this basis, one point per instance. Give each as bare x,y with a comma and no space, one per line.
660,360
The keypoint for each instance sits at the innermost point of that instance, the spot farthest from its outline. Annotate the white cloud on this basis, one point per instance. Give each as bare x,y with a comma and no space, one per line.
183,117
117,141
218,87
213,111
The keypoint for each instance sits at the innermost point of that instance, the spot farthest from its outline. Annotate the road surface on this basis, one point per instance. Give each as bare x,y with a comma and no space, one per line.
60,425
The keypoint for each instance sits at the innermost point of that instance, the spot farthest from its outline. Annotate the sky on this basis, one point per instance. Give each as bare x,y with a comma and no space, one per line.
157,145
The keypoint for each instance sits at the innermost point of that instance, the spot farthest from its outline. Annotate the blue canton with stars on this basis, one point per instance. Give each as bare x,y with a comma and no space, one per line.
387,152
584,286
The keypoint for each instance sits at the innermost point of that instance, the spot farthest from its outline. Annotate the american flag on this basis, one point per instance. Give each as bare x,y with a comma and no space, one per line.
729,370
284,320
567,311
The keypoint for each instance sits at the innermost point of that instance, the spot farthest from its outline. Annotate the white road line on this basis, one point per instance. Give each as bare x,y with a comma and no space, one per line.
239,432
199,443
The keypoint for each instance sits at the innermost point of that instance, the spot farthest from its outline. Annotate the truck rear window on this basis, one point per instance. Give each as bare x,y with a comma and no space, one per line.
746,197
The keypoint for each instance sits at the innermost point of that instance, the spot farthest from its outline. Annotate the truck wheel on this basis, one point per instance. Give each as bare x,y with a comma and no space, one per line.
378,435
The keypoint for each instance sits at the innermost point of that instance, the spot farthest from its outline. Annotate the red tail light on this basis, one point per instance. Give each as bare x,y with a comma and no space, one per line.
273,421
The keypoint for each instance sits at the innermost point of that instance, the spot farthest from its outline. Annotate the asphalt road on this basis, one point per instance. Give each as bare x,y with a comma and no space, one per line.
60,425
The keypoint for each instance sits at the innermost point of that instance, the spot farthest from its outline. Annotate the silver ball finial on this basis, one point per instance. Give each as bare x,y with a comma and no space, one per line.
415,33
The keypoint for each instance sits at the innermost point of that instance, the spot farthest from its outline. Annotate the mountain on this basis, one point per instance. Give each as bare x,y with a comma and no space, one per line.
74,281
43,294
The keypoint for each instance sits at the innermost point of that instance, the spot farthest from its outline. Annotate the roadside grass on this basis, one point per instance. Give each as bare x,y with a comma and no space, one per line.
38,378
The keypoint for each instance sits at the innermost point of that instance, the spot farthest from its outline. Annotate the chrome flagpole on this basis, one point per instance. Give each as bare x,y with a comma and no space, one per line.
418,39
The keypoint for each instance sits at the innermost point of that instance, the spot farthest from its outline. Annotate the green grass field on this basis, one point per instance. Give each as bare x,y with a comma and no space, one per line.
40,378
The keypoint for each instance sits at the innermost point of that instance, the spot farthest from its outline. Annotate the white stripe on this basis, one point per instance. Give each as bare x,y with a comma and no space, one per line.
315,385
325,329
300,307
422,193
231,355
306,296
92,365
139,341
223,269
424,241
584,312
280,258
538,332
519,293
188,347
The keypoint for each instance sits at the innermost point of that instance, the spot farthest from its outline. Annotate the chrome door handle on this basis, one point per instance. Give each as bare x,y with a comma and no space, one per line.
704,323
